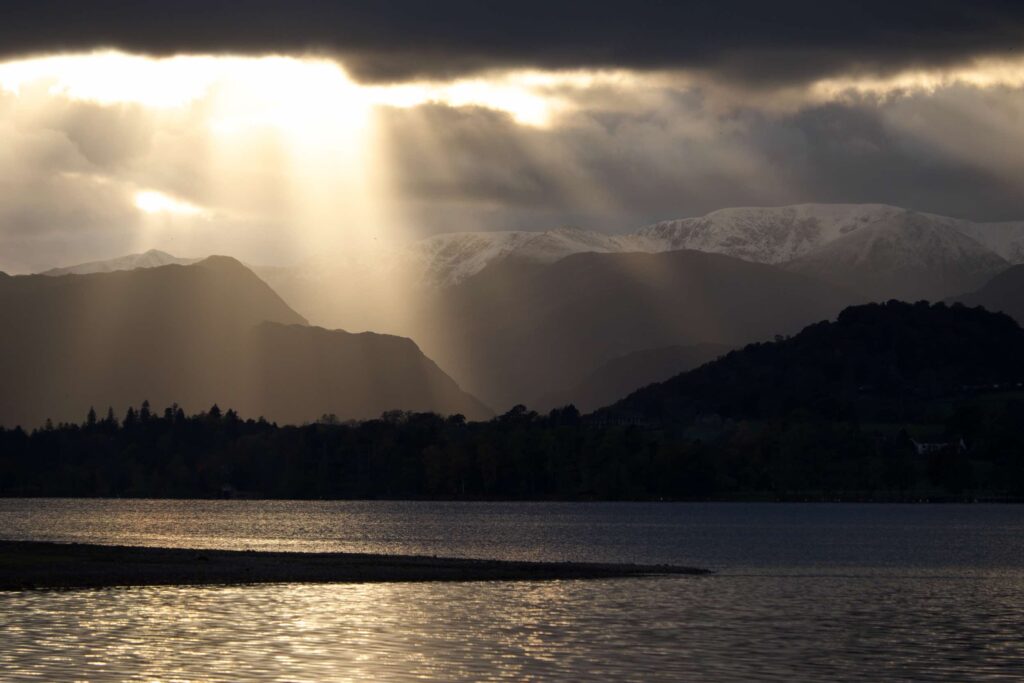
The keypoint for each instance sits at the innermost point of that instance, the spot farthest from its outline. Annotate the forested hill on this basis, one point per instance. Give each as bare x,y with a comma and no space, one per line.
879,362
889,402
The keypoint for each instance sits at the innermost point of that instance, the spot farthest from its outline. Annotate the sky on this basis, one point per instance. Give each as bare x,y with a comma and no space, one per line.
276,132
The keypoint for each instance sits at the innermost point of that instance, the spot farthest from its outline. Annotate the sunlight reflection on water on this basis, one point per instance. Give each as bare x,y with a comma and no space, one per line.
718,628
805,593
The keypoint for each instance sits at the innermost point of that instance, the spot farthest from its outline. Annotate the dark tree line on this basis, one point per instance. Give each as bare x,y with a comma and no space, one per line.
519,455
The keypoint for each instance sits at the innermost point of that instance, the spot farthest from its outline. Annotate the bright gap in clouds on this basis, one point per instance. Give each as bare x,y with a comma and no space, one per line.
301,126
289,92
151,201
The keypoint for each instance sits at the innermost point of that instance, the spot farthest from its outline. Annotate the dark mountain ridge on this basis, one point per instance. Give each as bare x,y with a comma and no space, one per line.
194,335
623,375
355,375
1004,293
875,361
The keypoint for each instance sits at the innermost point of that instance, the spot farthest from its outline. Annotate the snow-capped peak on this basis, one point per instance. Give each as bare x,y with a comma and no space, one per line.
148,259
910,256
907,240
769,234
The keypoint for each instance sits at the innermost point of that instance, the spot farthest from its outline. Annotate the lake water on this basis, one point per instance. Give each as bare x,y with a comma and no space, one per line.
802,592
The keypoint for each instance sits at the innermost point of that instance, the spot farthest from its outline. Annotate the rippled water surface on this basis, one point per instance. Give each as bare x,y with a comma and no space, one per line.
803,592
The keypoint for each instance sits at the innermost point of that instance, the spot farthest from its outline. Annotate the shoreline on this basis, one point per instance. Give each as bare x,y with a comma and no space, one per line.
855,498
29,565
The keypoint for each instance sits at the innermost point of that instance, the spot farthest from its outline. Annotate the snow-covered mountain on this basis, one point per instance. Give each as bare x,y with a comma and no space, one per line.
772,234
907,256
149,259
759,234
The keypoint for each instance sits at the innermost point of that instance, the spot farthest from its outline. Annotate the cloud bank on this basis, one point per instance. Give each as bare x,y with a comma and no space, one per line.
748,40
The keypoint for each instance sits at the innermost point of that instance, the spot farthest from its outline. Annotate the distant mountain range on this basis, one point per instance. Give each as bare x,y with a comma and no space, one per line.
760,234
875,251
541,317
210,332
774,235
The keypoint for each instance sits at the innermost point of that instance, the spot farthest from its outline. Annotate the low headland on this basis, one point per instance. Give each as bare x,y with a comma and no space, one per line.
38,565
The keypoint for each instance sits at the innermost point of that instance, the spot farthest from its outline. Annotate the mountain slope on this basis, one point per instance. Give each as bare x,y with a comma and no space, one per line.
153,258
1005,239
623,375
354,376
907,256
766,234
450,258
175,333
873,361
1003,293
378,287
374,289
517,331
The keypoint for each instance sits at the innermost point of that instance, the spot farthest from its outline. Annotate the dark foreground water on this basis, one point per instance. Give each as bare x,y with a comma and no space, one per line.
803,592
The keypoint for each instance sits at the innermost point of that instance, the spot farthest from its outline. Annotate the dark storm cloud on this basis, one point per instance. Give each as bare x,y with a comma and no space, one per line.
854,152
749,40
464,168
